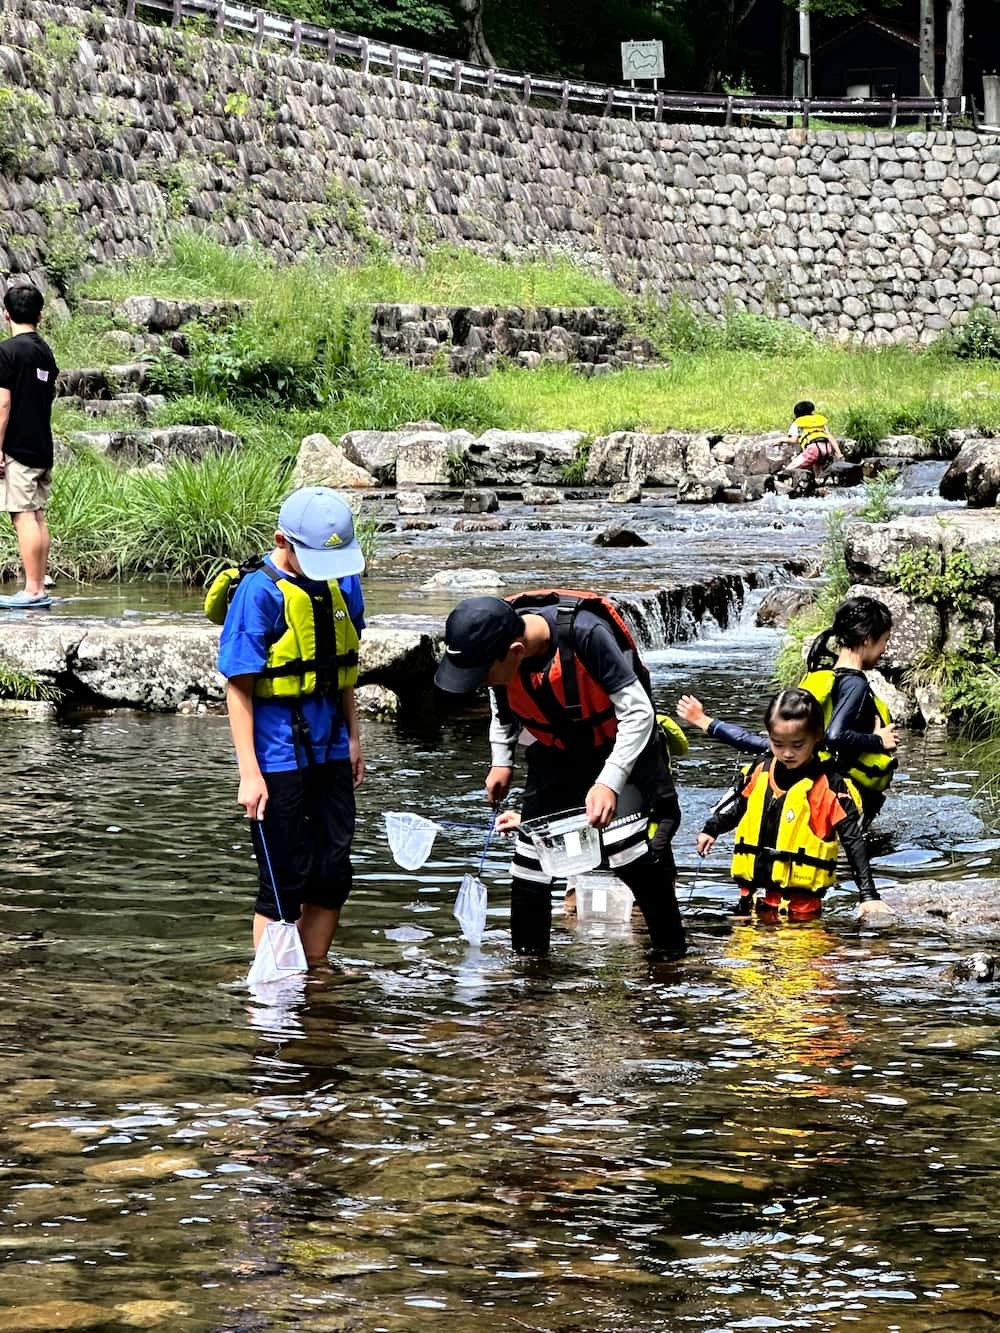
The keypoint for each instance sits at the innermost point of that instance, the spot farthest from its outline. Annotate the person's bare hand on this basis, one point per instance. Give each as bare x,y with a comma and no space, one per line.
875,912
252,795
705,842
887,735
689,710
357,761
508,821
601,805
498,781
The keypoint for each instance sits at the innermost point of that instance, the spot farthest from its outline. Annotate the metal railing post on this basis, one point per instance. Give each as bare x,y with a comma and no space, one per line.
425,66
564,97
130,10
296,37
527,89
729,109
456,77
491,79
894,113
394,61
365,57
175,18
220,19
260,18
331,45
805,113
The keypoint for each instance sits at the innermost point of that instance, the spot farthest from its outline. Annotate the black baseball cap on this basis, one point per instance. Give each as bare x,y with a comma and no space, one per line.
476,634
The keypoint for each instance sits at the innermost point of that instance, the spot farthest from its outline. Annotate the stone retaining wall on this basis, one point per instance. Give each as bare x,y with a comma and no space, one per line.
473,338
125,128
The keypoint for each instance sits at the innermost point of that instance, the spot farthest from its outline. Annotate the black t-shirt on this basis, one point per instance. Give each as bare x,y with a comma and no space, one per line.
28,369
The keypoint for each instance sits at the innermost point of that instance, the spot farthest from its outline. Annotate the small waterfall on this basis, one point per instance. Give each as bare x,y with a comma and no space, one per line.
660,617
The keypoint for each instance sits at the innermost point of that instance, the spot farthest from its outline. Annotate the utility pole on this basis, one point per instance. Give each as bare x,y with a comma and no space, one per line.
928,73
805,50
954,54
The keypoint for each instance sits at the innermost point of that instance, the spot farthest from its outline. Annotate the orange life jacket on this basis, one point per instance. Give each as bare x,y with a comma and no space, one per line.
563,705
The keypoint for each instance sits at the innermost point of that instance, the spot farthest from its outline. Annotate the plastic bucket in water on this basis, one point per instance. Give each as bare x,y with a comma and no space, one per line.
411,838
603,897
566,844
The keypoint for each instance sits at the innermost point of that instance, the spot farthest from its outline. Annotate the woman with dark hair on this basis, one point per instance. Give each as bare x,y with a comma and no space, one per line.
859,732
790,812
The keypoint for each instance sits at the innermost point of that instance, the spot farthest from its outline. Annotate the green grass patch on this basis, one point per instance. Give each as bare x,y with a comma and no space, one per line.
747,391
196,267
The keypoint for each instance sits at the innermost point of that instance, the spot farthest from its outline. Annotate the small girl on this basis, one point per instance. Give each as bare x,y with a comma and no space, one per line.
859,731
789,812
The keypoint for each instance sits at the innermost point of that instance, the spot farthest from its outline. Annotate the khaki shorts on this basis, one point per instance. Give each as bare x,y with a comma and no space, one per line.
25,488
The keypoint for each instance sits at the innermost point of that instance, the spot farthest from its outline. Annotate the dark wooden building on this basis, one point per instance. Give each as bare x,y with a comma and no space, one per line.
870,59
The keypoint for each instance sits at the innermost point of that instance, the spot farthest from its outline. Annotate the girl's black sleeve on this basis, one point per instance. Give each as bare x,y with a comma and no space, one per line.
729,811
750,742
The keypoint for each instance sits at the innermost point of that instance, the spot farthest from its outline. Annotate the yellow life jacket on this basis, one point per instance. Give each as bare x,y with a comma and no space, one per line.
317,652
813,429
872,769
803,858
675,741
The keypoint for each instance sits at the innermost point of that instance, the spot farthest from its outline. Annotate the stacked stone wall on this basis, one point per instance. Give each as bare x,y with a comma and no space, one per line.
122,129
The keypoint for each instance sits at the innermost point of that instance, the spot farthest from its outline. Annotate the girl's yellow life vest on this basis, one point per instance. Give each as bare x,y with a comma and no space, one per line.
317,653
675,738
802,859
872,769
813,429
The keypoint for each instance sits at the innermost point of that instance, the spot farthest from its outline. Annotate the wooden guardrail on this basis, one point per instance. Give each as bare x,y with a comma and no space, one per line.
401,61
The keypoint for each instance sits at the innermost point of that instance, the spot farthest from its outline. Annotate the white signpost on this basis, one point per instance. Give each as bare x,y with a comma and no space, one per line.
642,60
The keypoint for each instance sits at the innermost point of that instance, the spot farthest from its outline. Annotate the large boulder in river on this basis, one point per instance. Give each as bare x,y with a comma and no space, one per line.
871,549
159,666
635,456
511,457
320,462
427,458
974,475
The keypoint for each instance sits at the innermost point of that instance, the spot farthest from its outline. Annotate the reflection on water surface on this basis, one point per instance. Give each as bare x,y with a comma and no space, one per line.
795,1129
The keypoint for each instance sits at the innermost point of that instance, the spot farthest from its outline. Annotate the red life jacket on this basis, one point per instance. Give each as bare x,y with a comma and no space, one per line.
563,705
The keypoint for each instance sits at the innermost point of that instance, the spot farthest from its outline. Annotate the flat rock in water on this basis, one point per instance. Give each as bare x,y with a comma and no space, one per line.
459,579
53,1316
967,906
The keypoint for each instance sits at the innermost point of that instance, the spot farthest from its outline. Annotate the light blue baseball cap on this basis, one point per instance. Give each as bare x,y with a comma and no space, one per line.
319,524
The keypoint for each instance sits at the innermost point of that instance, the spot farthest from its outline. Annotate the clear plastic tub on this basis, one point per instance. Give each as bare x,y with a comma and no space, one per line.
566,844
603,897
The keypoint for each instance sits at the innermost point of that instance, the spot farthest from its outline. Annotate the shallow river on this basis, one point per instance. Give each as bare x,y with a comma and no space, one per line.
796,1128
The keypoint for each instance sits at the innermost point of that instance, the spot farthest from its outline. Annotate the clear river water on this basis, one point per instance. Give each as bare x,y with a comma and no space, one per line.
794,1128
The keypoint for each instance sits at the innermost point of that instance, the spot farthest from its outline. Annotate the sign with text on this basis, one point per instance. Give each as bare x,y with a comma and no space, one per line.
642,60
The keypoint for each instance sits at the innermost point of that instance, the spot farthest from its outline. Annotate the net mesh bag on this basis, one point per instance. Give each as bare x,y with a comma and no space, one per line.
470,908
279,954
411,838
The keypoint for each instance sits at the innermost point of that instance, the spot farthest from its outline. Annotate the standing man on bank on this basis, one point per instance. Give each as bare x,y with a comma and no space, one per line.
27,387
561,667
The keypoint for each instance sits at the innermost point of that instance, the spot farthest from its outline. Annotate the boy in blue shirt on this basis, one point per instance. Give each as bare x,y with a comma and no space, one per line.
289,653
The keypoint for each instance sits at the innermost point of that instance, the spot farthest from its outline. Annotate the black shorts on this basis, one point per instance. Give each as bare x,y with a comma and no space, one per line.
308,827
